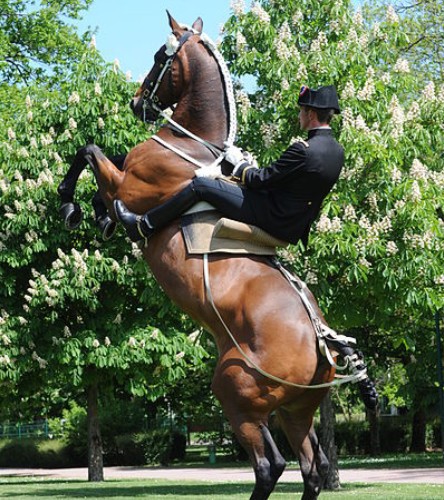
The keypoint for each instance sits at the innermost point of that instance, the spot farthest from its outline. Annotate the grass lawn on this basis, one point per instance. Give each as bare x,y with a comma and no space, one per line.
28,488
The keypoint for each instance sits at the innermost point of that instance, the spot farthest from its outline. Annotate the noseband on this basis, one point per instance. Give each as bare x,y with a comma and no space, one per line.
150,100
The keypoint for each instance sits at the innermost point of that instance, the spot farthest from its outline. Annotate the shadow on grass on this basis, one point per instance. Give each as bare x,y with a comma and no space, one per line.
61,489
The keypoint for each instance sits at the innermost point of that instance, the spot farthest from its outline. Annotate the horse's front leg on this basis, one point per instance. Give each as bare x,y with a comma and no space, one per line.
108,176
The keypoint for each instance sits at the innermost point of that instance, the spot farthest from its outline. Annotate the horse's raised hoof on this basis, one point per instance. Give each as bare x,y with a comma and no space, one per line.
71,214
106,226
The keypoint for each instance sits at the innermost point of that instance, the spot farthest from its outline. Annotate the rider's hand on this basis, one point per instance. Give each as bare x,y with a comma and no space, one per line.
233,155
211,172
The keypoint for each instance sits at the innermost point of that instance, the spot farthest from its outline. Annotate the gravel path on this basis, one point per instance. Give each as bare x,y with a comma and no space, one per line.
430,476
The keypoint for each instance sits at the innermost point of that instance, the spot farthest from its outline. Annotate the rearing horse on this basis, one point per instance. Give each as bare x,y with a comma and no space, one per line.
266,317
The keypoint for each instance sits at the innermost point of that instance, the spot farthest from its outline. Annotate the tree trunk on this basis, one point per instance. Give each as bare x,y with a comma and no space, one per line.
419,423
327,439
375,442
95,450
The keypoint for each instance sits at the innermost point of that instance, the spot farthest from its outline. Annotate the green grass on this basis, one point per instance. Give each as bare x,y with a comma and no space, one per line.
395,461
28,488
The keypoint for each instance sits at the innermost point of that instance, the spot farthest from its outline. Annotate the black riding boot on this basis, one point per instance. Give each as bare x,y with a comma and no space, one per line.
142,227
355,360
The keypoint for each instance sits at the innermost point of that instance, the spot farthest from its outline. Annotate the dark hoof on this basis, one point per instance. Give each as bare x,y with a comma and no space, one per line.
106,226
71,214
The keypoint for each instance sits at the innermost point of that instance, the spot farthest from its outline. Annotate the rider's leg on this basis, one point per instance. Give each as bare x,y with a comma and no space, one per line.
227,197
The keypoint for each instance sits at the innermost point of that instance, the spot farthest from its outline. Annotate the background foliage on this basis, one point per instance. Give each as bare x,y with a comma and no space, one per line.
75,309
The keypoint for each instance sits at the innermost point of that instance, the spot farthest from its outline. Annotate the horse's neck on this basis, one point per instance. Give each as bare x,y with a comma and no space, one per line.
203,108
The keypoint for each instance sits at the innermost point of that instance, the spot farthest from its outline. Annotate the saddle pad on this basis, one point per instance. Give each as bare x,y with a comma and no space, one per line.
207,232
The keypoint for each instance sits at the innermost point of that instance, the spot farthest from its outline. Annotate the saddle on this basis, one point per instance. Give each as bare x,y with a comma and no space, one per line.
207,231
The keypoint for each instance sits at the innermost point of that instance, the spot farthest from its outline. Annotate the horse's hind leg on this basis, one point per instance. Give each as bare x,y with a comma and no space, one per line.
312,460
268,463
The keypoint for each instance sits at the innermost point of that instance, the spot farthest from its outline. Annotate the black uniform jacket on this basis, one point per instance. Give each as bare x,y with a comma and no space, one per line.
296,184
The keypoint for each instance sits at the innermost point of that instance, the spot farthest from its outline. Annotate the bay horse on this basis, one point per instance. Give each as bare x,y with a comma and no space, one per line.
257,304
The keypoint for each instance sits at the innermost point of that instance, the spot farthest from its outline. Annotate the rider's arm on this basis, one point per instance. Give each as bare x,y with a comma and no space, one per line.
291,161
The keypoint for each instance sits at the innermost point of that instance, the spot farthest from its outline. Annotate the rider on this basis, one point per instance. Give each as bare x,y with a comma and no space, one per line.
283,199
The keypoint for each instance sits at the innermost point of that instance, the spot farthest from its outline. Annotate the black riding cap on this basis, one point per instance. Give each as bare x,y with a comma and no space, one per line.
322,98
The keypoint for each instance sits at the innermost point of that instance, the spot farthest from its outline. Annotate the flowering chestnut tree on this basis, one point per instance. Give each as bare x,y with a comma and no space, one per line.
375,258
77,312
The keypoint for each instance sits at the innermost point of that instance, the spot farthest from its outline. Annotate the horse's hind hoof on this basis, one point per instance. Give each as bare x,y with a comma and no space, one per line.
71,214
106,226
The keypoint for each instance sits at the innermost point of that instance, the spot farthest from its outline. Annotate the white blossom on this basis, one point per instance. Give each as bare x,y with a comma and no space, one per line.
415,194
179,356
11,134
349,91
97,89
260,12
385,78
6,340
241,41
238,7
428,92
318,43
132,342
324,224
418,170
92,43
107,341
414,112
72,124
269,131
391,248
350,213
95,343
365,263
367,92
297,17
100,123
4,359
358,19
74,98
402,66
396,175
154,334
391,16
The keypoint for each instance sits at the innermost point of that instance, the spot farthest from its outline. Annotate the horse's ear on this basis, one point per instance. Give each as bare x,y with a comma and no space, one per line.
198,25
175,26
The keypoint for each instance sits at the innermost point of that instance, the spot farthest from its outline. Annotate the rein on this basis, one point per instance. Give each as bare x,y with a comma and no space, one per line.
150,99
340,379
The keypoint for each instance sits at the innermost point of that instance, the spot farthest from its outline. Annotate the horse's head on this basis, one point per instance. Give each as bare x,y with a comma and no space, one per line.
160,89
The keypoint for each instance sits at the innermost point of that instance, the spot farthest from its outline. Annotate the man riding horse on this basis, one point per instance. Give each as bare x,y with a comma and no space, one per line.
283,199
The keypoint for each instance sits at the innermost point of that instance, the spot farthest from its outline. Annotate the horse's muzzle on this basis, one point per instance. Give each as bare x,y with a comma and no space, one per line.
143,111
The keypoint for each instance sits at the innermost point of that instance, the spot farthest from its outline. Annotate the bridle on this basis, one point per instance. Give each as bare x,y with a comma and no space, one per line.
152,104
150,99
